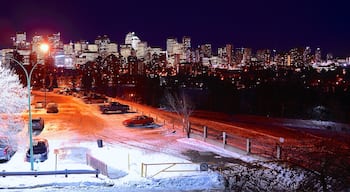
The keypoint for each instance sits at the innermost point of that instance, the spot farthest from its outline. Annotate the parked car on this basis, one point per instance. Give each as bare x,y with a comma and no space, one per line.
6,149
39,105
40,150
95,98
114,107
38,124
138,120
52,108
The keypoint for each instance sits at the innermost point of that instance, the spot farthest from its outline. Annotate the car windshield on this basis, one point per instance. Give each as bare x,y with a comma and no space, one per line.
3,144
39,148
36,122
138,117
51,105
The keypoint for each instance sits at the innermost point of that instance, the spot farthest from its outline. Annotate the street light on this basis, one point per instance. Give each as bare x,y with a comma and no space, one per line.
30,127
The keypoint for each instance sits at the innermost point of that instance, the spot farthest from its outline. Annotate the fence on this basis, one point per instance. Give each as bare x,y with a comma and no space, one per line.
262,147
97,164
65,172
169,167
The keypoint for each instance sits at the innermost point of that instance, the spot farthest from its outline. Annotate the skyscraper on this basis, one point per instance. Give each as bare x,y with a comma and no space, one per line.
318,56
186,41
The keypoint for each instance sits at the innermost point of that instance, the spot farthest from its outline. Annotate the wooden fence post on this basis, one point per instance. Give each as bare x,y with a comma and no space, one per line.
279,152
224,142
249,144
279,148
188,129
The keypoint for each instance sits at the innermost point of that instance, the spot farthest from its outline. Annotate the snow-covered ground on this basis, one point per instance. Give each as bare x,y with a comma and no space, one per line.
125,174
124,163
73,132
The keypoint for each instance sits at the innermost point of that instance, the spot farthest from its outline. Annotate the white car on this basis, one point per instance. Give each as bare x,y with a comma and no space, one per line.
6,149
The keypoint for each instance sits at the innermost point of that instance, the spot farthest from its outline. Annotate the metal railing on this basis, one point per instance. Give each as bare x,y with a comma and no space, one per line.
65,172
167,167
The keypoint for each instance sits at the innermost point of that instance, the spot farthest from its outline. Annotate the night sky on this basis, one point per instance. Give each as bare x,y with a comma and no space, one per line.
273,24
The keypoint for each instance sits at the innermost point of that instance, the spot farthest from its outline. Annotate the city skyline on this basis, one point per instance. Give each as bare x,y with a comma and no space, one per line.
254,24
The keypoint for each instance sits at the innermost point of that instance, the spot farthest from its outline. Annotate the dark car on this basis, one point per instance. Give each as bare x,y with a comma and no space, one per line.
38,124
139,120
114,107
40,150
52,108
95,98
6,149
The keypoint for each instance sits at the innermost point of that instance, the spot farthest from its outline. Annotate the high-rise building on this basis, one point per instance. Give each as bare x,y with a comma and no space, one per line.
102,43
141,50
186,42
55,41
68,48
297,56
132,39
263,56
329,56
171,42
226,53
112,48
307,56
318,56
206,50
20,41
243,55
125,50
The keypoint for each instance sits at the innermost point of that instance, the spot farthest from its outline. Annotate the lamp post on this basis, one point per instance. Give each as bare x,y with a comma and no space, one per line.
30,127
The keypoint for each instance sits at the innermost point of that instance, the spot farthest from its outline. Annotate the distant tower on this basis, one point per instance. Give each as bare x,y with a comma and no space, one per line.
20,39
170,45
186,41
329,56
307,55
55,41
102,44
229,53
318,56
132,39
206,50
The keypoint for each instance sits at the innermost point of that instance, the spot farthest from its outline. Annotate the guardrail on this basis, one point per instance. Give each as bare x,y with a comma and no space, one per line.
65,172
167,167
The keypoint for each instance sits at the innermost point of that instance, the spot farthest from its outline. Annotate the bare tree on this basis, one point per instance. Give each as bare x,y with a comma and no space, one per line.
181,104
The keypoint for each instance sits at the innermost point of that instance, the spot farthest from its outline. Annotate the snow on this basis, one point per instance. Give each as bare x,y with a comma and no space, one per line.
125,151
124,168
124,163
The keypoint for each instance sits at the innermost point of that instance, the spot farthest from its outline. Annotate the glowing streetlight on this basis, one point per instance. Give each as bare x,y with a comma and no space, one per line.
43,47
